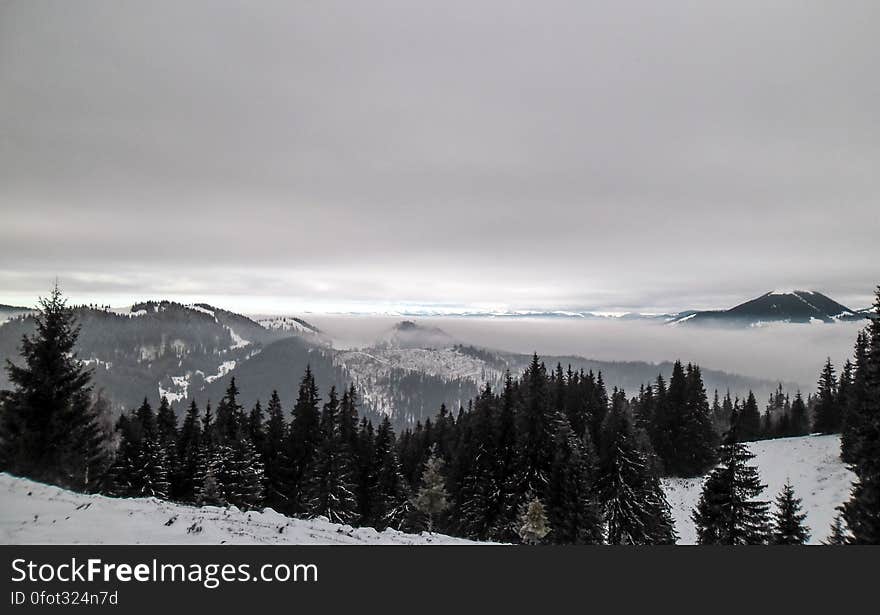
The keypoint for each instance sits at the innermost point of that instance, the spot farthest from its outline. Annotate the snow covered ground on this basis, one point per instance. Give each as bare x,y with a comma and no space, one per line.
34,513
813,465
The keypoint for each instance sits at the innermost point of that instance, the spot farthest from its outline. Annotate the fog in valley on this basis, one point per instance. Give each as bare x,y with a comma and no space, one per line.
788,352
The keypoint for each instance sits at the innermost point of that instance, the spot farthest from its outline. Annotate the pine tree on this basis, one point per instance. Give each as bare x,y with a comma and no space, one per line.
431,499
48,428
536,420
800,421
303,439
532,526
141,466
749,428
330,491
390,505
477,505
862,511
166,437
788,520
275,462
188,447
838,534
856,409
573,511
635,507
826,418
727,513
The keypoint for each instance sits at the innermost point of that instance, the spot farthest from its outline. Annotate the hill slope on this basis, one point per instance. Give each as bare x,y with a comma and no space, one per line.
813,465
34,513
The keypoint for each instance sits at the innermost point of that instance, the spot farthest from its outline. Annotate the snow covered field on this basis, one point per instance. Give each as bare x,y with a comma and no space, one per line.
813,465
34,513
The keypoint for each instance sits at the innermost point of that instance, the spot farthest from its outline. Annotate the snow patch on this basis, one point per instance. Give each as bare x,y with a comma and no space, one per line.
811,463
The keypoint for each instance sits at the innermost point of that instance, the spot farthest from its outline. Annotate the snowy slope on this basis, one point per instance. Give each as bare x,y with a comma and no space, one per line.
813,465
34,513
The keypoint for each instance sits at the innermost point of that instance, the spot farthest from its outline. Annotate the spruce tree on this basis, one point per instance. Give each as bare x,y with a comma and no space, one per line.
431,499
275,462
188,448
390,506
574,512
826,417
727,513
635,507
48,428
749,417
303,439
788,520
330,491
862,511
800,420
532,524
838,534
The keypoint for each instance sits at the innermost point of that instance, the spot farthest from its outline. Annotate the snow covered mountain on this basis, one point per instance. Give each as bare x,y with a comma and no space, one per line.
34,513
793,306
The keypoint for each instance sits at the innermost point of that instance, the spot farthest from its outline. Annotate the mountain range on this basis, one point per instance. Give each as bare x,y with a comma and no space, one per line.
190,352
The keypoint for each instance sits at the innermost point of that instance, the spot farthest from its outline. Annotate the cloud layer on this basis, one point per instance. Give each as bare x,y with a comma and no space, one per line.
632,155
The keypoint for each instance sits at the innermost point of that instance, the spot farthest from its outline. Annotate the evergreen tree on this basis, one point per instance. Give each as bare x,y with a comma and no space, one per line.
855,410
275,462
826,417
800,420
862,511
749,417
536,421
167,436
330,491
255,429
788,520
838,534
532,526
574,511
476,499
48,427
366,468
390,505
304,437
635,507
727,513
141,465
188,448
431,499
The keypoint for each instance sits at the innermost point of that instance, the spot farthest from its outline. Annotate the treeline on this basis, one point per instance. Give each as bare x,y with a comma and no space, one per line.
551,456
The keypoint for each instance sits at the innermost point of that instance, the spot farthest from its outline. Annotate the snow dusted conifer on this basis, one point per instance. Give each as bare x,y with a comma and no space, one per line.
788,520
431,499
532,524
330,491
635,507
727,513
49,430
391,505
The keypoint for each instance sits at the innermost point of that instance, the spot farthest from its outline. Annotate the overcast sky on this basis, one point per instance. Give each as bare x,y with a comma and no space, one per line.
321,155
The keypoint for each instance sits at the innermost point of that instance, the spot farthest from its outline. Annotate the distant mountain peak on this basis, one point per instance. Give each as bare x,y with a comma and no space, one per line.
780,305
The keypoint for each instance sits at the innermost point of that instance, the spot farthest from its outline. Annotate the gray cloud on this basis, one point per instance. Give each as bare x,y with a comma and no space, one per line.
633,155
